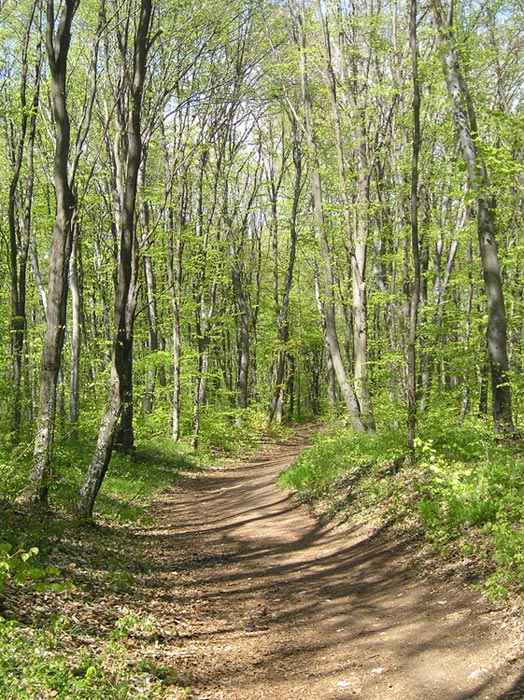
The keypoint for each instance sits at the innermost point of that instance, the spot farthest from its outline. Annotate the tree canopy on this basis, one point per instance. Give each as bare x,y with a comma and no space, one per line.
220,214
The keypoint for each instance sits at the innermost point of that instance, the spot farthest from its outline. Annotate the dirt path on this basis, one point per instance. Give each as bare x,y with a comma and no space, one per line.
267,604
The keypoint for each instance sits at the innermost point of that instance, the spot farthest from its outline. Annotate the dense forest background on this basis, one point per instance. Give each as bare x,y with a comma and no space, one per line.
219,216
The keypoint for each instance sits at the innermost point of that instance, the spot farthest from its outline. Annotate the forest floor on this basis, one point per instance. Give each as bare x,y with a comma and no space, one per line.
234,590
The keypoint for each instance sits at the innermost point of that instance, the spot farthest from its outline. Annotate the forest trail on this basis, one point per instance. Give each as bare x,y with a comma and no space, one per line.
266,603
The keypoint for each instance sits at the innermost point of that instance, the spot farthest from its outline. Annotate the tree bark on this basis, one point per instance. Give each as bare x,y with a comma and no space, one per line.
467,132
357,225
237,234
122,342
331,380
174,277
346,389
414,298
20,222
243,346
76,336
203,310
152,332
57,52
276,408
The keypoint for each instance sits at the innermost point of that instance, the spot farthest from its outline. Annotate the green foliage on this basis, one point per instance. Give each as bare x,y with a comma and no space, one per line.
37,664
44,658
132,479
19,566
130,624
14,464
481,495
130,482
350,473
14,564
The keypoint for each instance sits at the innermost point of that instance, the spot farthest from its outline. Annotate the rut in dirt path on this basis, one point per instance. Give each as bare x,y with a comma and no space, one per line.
271,604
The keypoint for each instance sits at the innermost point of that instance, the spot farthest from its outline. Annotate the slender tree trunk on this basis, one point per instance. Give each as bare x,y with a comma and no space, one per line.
255,281
38,278
122,343
292,389
203,311
466,125
20,223
276,408
152,332
346,389
239,284
177,354
356,226
174,278
331,379
151,311
76,335
57,52
467,338
278,391
413,301
243,346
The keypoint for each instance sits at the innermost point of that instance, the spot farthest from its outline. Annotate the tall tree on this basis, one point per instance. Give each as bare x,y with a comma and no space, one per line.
346,389
84,123
21,148
356,217
414,298
58,41
282,298
465,118
122,346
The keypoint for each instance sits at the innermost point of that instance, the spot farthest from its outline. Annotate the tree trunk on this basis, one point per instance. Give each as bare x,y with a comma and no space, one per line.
203,311
243,345
414,298
276,409
152,315
174,278
347,391
331,380
57,52
124,293
466,125
356,226
76,336
237,235
20,223
103,450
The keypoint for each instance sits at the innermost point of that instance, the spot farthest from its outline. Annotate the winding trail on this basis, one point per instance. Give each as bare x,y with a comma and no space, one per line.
269,604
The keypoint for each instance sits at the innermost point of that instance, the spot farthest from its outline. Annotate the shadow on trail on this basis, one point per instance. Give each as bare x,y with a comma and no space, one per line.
332,601
516,692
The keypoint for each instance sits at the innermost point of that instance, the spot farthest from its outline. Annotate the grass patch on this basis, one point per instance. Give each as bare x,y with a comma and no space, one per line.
347,474
41,664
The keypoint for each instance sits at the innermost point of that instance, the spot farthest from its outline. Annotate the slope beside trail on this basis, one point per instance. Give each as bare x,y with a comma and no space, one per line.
266,603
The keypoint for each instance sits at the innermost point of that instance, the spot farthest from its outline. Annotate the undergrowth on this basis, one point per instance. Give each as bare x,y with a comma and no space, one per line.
463,491
41,663
42,656
50,553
